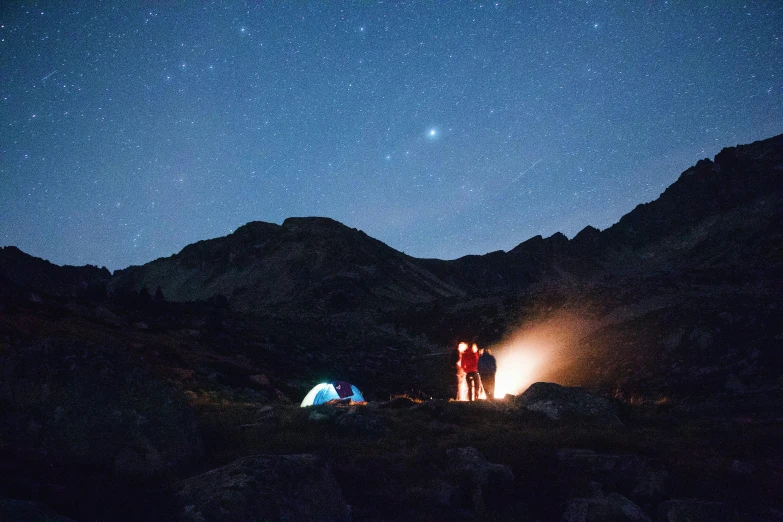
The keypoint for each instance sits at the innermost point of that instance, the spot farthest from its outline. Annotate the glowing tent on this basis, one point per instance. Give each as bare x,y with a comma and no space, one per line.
328,391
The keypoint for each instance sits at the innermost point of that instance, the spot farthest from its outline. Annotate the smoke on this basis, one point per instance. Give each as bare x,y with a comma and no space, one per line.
543,349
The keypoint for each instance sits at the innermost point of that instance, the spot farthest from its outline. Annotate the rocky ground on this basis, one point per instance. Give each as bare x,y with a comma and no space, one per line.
169,412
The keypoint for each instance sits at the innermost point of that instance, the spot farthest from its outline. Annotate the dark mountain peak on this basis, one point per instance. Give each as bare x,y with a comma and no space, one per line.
314,223
532,242
737,176
588,241
770,149
322,229
307,262
40,275
558,238
12,254
257,229
538,245
588,234
311,259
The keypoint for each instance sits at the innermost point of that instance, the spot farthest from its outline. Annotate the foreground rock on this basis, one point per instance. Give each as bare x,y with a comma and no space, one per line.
610,508
639,478
694,510
26,511
569,404
477,482
264,487
94,406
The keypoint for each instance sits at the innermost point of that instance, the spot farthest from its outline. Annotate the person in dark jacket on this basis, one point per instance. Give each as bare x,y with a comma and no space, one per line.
487,367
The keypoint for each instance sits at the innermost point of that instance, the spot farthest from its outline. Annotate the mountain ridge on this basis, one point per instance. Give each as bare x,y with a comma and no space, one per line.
646,306
702,174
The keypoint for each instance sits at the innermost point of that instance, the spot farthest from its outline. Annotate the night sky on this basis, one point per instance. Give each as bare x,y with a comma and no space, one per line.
131,129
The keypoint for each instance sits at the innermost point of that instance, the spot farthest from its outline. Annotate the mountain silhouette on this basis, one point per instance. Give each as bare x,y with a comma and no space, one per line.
681,282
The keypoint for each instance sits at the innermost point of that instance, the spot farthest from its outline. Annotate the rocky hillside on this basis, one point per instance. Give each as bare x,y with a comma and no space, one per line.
682,295
716,216
21,272
305,264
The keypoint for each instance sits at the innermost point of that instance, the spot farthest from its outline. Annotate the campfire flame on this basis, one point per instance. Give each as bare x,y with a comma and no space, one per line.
520,364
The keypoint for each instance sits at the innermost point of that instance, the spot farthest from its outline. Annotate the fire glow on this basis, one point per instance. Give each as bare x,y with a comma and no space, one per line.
538,351
519,366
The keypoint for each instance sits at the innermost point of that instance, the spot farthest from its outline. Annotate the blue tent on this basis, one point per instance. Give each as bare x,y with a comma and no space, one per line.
328,391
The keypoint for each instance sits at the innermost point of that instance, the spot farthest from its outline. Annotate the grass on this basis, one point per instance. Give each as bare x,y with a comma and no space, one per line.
390,475
412,454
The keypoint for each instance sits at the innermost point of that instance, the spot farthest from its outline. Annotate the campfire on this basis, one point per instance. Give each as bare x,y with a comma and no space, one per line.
538,351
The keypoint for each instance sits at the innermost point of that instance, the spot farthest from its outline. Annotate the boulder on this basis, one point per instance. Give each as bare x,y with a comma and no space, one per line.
261,380
444,410
264,487
317,418
610,508
105,315
27,511
94,406
695,510
356,423
640,478
477,482
568,404
398,403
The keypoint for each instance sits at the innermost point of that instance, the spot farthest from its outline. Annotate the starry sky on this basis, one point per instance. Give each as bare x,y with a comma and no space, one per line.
129,129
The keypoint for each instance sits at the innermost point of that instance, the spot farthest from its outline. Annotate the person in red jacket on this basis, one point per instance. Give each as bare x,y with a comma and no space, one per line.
459,391
470,366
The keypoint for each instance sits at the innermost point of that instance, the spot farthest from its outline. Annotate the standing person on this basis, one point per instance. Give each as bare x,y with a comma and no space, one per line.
487,367
470,366
458,381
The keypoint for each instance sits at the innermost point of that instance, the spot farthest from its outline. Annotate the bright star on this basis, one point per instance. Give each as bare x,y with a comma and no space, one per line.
432,133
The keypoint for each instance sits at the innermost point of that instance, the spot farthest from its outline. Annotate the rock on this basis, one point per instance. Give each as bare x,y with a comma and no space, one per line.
633,475
478,482
183,374
742,468
261,380
26,511
561,403
441,428
95,406
317,418
140,458
398,403
610,508
445,410
695,510
734,385
105,315
264,487
353,422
